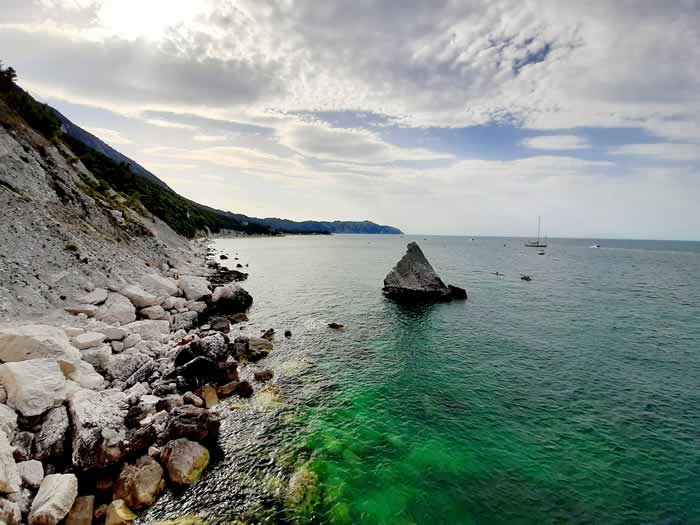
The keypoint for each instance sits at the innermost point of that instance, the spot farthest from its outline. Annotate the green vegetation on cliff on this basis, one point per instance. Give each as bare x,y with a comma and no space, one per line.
182,215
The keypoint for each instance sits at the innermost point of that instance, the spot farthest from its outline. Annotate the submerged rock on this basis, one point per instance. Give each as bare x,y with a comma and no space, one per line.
185,461
413,279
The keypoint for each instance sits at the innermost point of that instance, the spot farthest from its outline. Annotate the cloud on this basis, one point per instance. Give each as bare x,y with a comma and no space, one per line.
238,158
282,77
661,151
168,124
174,73
360,146
110,136
209,138
556,142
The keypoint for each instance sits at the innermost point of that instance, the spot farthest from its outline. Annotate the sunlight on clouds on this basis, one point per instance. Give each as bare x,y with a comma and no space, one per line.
661,151
110,136
146,18
556,142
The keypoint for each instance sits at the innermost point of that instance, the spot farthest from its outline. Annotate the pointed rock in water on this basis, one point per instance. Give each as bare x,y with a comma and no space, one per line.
413,279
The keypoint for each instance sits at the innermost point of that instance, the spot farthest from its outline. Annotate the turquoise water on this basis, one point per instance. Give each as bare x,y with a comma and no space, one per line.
573,398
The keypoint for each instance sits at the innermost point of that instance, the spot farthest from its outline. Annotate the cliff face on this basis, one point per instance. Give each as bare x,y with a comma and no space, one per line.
61,230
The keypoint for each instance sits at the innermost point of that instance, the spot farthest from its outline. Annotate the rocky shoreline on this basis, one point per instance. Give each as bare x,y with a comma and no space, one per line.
102,412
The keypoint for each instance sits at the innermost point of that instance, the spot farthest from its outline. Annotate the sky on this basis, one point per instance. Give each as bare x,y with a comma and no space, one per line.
438,117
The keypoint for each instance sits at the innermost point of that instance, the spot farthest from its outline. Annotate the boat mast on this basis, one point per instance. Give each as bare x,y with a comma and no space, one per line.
539,223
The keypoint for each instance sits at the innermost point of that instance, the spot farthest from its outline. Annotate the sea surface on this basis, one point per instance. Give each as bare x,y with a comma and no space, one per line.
570,399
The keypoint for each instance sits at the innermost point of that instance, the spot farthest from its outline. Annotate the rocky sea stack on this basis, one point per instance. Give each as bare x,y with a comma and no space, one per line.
414,280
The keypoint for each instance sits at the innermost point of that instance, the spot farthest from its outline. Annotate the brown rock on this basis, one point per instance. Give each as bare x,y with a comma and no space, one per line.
192,399
263,375
192,423
140,484
185,461
170,402
101,512
228,389
244,389
141,440
119,514
229,371
208,394
81,512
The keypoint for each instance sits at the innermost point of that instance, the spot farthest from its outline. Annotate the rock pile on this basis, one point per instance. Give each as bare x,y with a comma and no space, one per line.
413,280
96,420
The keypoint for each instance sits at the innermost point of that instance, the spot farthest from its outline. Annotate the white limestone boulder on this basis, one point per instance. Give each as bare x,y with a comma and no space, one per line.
8,421
194,287
131,341
31,472
9,476
33,386
22,343
88,340
150,330
98,430
89,310
10,512
152,312
116,310
113,333
159,285
54,499
87,377
97,296
140,297
98,357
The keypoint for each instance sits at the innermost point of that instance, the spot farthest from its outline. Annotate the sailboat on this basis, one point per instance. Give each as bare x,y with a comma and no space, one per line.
538,243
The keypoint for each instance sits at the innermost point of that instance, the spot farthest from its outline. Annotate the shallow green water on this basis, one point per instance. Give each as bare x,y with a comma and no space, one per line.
571,399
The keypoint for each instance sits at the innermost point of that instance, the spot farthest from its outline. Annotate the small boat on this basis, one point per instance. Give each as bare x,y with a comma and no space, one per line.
538,243
525,278
596,246
541,252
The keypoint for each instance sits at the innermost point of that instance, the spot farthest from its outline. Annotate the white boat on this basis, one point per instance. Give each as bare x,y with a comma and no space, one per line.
538,243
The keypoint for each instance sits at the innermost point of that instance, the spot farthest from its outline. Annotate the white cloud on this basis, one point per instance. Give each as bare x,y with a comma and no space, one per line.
210,138
238,158
110,136
661,151
557,142
549,66
350,145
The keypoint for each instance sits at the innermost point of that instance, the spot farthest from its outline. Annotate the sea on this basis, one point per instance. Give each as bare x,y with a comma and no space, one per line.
572,398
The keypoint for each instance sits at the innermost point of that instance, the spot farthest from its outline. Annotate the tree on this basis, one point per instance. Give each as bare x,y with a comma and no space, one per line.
7,74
